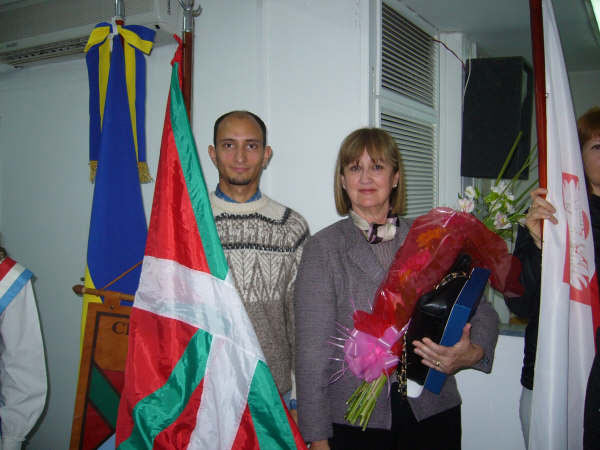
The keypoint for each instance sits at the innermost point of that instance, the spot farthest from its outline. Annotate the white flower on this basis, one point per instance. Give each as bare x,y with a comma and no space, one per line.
509,207
501,221
470,192
466,204
500,187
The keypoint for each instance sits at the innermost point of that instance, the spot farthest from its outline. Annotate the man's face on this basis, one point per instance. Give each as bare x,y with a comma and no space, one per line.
239,154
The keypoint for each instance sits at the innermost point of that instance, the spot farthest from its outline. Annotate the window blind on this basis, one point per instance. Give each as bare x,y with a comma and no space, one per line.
408,58
407,104
416,141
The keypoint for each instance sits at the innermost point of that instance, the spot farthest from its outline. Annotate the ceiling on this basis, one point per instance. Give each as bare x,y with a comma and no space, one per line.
501,27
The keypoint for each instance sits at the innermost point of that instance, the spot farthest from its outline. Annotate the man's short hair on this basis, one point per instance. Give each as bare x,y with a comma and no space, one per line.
241,113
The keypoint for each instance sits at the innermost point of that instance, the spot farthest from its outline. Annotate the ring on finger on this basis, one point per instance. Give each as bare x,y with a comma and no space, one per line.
437,363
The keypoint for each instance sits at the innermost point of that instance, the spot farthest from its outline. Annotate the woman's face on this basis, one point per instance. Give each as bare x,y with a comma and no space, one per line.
590,154
369,183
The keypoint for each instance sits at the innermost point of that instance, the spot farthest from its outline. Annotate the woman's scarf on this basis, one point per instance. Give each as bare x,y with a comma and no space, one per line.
376,232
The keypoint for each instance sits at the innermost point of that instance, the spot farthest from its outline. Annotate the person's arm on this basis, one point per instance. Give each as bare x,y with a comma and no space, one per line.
530,257
23,383
290,317
528,251
315,308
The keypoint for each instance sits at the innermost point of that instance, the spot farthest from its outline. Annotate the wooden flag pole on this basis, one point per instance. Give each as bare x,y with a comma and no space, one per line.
187,64
112,298
539,71
539,76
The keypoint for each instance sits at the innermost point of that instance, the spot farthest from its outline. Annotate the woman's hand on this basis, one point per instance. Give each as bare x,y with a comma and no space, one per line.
320,445
539,210
449,360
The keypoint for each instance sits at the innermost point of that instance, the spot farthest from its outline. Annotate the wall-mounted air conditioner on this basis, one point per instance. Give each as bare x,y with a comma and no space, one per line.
36,30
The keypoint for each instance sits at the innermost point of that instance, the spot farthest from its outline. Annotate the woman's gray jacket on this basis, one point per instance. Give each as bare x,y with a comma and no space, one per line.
338,273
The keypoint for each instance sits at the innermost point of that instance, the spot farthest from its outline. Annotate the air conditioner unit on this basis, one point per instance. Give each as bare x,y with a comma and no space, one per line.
37,30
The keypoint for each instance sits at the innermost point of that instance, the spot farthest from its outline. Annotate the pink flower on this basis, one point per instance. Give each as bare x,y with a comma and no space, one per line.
501,221
368,357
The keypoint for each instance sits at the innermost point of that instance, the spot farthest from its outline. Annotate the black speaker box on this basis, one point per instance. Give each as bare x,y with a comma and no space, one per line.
497,105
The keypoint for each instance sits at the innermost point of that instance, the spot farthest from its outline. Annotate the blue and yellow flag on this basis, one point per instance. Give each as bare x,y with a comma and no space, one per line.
117,237
118,225
135,41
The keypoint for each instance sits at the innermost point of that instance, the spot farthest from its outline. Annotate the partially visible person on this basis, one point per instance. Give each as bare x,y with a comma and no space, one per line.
262,239
23,383
342,267
528,251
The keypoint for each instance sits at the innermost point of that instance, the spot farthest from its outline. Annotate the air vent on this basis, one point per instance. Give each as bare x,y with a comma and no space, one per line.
39,30
42,52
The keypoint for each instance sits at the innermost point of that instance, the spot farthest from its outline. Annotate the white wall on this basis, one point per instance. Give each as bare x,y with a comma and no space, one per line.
585,87
490,411
45,210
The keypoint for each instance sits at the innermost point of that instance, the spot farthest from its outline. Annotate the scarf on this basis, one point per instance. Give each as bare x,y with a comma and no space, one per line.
375,232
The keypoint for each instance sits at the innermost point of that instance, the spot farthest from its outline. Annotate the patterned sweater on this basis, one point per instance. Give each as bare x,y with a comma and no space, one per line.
263,243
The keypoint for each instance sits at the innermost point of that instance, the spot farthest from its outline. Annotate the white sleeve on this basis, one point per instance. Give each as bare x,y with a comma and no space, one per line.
23,382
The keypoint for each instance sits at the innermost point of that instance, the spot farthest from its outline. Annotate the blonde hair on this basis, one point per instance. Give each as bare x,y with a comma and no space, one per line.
380,145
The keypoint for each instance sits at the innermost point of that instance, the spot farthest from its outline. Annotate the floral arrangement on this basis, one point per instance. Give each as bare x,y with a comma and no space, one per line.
499,210
434,241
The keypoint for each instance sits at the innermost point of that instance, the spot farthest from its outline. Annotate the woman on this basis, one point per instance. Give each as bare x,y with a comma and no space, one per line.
342,267
528,250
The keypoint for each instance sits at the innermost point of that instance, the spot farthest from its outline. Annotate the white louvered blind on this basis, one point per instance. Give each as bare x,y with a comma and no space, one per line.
408,102
407,58
416,142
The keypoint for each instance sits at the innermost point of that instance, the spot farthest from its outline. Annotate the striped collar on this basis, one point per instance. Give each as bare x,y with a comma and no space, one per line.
222,195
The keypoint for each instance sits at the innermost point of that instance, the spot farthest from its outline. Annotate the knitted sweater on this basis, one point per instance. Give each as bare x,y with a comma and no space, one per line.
263,243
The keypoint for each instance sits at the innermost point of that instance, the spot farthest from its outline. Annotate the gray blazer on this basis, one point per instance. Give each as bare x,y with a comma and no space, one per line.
339,272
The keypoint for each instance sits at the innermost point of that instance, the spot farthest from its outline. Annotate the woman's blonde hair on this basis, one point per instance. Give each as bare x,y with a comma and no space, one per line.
380,145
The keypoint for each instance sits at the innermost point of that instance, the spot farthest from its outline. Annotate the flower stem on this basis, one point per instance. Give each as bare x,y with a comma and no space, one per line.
361,403
509,157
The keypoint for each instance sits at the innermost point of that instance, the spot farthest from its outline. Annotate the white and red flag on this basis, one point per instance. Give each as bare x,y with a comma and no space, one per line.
195,377
569,292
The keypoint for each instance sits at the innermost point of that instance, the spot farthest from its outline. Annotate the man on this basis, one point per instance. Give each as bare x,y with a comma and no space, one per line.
262,239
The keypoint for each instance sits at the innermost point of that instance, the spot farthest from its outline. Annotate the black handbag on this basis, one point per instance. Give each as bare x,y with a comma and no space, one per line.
431,314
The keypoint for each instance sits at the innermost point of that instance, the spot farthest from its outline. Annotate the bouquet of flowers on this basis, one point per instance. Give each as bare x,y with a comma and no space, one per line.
434,241
499,210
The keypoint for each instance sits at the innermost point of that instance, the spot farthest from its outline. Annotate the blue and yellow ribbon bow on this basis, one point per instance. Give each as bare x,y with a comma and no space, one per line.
137,41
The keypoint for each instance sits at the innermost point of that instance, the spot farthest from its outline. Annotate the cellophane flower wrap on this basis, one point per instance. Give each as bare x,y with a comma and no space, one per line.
434,241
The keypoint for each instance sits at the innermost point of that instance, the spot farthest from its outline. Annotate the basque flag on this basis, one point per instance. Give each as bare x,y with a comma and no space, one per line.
195,376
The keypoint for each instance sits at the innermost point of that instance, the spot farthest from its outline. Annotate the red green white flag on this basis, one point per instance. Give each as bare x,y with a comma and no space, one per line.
196,376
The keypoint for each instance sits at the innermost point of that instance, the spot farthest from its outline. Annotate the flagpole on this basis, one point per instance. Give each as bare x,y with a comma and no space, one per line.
539,71
187,64
119,14
112,297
